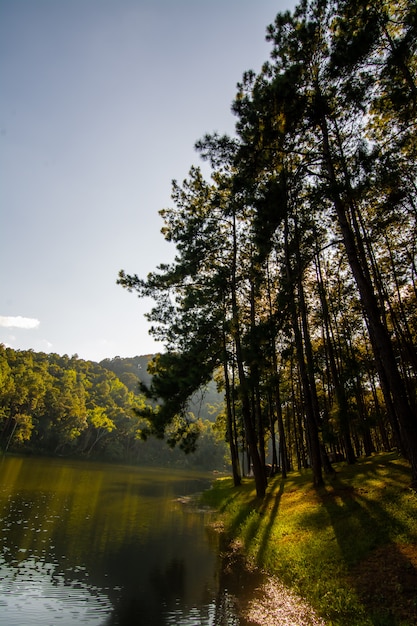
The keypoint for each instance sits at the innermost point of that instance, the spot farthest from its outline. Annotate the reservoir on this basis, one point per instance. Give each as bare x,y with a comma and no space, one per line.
106,545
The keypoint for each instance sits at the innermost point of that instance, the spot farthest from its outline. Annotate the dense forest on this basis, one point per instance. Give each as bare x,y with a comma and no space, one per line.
295,275
60,405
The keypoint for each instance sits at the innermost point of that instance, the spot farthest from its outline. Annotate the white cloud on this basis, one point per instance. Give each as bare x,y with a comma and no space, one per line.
19,322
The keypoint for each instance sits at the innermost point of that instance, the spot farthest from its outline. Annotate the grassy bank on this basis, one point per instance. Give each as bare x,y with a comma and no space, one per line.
349,548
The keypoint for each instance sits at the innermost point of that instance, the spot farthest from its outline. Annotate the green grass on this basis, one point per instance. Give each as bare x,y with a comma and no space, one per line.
337,545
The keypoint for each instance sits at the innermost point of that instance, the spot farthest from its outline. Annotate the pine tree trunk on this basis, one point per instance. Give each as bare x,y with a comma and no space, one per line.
312,430
234,454
250,430
338,387
379,336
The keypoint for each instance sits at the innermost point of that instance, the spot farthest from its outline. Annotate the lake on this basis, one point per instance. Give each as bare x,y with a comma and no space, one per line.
105,545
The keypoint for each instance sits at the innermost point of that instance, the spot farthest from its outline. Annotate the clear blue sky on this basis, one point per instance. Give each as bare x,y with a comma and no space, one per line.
101,102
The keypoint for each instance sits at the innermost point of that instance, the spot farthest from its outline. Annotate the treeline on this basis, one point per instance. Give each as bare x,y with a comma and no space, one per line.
61,405
295,273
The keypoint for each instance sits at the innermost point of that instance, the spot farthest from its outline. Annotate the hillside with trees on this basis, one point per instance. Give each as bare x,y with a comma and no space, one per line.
295,274
61,405
205,403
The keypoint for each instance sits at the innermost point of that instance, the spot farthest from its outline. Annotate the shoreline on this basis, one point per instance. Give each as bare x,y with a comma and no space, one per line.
342,554
260,598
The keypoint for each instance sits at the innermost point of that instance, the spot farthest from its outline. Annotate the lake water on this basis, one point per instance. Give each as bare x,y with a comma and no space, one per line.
105,545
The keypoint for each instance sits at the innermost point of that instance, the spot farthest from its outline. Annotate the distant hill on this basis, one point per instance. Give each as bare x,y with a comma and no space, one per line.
134,370
131,371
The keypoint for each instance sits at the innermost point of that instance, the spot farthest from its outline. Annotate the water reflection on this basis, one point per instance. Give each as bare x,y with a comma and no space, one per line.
102,545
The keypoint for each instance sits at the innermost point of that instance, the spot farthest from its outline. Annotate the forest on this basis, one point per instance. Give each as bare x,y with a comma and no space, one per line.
64,406
294,279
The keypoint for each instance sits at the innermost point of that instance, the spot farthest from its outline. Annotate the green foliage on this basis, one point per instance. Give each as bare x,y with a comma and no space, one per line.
51,404
61,399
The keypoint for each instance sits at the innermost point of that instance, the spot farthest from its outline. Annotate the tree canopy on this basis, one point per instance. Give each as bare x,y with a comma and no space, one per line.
295,275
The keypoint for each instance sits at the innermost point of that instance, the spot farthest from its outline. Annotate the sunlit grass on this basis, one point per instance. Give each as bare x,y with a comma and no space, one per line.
315,540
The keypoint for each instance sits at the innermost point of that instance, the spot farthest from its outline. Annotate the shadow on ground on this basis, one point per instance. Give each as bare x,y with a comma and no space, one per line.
383,572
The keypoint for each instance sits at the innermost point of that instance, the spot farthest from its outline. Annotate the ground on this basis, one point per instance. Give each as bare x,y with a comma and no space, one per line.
275,605
262,600
387,582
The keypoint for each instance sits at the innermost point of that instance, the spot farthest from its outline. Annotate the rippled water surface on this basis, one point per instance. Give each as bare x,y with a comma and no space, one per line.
105,545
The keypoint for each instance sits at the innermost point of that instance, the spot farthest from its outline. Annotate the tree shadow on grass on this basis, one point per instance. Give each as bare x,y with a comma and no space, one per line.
261,598
382,572
272,501
249,519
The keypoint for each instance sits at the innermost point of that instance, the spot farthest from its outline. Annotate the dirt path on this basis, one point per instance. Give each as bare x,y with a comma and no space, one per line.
274,604
260,599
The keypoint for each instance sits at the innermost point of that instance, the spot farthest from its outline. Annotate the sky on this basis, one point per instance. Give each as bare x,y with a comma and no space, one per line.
101,103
